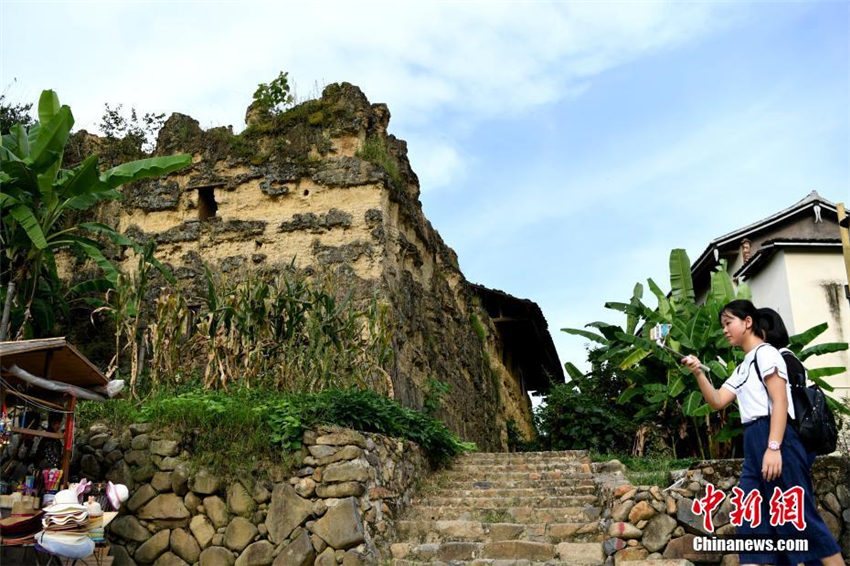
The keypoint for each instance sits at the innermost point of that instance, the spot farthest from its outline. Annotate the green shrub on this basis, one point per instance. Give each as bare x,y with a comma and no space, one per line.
235,432
436,392
574,420
517,442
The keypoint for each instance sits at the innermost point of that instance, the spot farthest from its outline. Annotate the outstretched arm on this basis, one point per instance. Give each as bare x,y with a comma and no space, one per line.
716,398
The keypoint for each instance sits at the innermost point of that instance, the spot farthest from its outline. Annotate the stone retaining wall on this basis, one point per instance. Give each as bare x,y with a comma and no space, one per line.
647,522
336,509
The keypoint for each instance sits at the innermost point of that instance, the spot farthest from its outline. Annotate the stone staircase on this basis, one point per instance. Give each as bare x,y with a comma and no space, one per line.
502,509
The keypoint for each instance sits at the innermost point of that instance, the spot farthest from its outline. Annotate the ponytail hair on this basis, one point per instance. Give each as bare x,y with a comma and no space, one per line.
773,330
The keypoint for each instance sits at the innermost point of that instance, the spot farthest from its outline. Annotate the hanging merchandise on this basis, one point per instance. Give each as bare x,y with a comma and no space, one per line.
5,425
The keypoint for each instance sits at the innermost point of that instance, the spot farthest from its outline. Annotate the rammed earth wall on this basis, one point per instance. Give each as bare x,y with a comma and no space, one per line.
336,509
325,186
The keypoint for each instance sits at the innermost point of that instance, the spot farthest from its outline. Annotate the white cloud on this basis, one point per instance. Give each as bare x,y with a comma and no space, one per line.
206,58
437,164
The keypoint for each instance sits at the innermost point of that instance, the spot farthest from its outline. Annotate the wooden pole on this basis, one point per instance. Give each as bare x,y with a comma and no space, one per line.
69,440
845,245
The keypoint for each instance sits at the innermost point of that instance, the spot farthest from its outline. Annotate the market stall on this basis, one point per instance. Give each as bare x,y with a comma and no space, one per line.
40,383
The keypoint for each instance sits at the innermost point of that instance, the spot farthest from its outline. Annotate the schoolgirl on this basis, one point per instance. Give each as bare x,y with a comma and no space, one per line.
773,454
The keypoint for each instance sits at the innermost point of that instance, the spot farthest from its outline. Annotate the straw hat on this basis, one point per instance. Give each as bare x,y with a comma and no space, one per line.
117,493
66,501
67,545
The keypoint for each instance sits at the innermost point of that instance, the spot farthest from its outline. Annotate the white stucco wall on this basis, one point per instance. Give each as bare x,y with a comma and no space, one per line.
771,289
816,282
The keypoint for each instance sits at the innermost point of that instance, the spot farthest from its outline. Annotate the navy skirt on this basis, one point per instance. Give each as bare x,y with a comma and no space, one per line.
796,471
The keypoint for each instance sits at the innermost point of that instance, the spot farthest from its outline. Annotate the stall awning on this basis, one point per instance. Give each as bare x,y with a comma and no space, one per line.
54,359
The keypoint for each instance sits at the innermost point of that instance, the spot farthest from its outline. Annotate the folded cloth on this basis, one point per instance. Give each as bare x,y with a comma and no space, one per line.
66,545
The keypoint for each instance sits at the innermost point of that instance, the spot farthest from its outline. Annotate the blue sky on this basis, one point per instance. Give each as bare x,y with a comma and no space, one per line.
563,148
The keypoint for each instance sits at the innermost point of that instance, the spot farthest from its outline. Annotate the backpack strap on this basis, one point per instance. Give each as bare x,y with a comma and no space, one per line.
758,373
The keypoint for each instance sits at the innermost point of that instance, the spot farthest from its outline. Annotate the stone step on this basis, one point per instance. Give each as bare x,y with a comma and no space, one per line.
479,562
523,467
529,514
572,561
417,531
464,552
488,502
525,456
489,474
551,491
468,482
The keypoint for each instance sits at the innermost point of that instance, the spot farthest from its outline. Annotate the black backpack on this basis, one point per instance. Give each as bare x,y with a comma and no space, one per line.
813,419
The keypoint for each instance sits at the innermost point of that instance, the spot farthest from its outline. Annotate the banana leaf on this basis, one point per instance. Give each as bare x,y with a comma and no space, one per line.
110,272
663,303
675,382
797,341
634,358
680,276
48,106
144,168
819,349
632,319
46,151
820,373
586,334
24,215
608,330
573,371
82,179
695,406
722,288
626,395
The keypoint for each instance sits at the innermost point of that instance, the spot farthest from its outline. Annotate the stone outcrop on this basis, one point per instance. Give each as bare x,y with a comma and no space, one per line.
326,186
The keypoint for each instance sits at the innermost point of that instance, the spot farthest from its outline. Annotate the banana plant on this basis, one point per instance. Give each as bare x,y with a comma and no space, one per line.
36,206
662,388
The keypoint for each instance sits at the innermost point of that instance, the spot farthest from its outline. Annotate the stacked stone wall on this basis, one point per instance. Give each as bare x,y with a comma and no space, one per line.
337,508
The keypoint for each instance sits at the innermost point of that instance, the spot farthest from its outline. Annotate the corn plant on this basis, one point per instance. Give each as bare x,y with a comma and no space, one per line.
125,303
277,330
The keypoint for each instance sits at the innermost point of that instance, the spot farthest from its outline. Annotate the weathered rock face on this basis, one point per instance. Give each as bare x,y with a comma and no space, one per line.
299,187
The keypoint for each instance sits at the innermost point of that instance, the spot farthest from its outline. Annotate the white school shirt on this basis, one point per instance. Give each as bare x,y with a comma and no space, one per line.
753,400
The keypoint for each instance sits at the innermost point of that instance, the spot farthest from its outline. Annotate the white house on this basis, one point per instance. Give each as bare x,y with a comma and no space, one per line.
793,262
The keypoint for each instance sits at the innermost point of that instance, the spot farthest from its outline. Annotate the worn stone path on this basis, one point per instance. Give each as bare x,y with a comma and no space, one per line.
523,509
505,509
